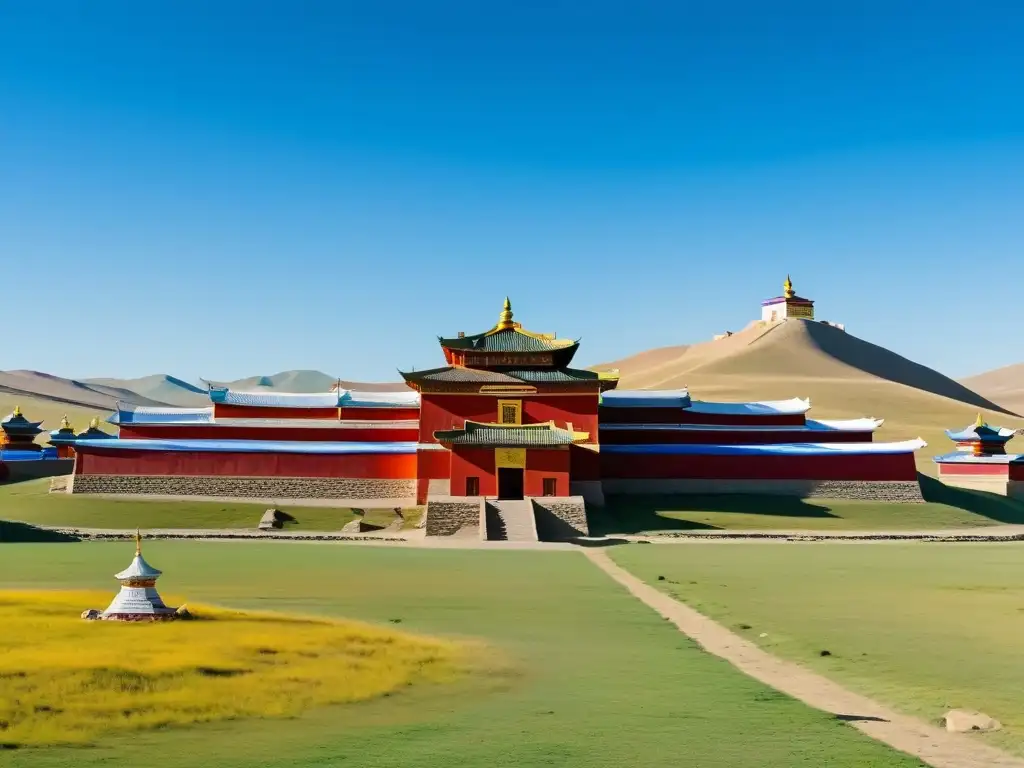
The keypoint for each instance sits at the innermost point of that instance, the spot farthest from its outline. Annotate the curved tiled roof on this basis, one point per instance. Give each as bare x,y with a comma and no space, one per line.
139,414
508,340
763,408
514,376
506,436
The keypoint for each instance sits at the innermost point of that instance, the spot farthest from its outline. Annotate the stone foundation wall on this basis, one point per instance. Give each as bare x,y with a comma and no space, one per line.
246,487
560,518
902,491
439,487
446,516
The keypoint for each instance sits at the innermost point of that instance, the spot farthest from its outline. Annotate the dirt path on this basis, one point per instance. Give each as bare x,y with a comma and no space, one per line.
930,743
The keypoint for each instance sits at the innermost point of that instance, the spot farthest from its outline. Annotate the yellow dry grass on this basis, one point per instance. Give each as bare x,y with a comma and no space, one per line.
65,680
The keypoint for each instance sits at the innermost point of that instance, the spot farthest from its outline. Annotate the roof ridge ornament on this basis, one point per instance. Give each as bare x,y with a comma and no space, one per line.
787,288
980,422
505,318
138,542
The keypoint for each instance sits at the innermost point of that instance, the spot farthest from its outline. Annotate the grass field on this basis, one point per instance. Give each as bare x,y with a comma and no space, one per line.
68,681
923,627
598,679
944,508
30,502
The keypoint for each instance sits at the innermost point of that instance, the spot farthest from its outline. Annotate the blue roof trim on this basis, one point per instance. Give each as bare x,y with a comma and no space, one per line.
149,415
247,446
773,449
985,433
649,398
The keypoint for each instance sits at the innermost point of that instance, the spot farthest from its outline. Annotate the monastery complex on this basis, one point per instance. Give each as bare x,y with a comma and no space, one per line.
505,418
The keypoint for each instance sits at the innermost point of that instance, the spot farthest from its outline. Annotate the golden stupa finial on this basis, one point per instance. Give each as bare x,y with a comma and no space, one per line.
980,422
138,541
95,423
17,411
505,318
787,288
65,425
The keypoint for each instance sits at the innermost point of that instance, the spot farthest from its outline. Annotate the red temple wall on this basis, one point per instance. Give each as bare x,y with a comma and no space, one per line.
440,411
431,465
841,467
730,437
230,411
96,461
540,464
214,432
685,416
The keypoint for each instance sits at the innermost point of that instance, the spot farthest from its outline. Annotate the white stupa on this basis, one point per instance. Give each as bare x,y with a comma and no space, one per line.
138,599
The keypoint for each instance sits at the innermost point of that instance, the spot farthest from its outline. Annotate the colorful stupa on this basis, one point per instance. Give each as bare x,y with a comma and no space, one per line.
980,461
93,432
18,433
138,599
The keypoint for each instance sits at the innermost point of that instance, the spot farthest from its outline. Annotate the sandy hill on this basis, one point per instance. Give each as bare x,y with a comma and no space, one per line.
159,387
1003,385
45,386
843,375
307,381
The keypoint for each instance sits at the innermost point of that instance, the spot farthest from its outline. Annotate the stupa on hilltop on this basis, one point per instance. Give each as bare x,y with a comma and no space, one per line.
138,599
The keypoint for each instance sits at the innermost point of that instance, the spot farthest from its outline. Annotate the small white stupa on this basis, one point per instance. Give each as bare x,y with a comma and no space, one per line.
138,599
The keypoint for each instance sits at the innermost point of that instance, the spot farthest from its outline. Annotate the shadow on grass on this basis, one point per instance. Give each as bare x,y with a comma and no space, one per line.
637,514
595,543
21,533
997,508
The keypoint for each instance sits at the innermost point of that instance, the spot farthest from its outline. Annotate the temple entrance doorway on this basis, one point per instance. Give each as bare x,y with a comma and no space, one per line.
510,483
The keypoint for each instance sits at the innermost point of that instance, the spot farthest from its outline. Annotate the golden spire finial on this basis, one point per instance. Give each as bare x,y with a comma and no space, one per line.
64,423
787,288
138,541
505,318
95,423
980,422
17,410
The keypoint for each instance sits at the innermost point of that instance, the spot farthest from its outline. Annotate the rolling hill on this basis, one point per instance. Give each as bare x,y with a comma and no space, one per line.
844,376
1003,385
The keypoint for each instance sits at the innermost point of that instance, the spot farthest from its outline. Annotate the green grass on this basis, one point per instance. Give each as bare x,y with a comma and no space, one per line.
944,508
30,502
597,679
924,627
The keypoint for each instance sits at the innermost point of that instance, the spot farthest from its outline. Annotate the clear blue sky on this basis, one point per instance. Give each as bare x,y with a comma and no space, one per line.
236,188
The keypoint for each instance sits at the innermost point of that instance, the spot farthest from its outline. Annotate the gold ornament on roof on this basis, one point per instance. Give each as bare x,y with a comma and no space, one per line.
95,423
65,425
505,318
138,541
17,410
980,422
787,288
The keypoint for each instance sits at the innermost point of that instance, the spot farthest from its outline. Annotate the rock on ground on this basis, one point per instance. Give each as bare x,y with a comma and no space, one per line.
964,721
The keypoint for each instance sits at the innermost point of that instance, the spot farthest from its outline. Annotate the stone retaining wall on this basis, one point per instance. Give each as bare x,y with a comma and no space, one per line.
901,491
560,518
447,516
246,487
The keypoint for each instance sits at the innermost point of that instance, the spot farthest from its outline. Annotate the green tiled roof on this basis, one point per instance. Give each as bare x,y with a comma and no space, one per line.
507,340
456,375
499,436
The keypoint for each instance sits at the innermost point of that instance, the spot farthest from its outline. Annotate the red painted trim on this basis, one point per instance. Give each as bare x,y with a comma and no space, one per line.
314,434
609,415
953,469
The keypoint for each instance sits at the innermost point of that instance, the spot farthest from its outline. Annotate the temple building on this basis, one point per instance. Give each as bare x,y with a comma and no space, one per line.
787,305
62,439
980,461
506,417
18,434
138,599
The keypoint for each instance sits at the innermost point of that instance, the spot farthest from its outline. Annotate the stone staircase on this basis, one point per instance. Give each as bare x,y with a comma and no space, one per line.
510,520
